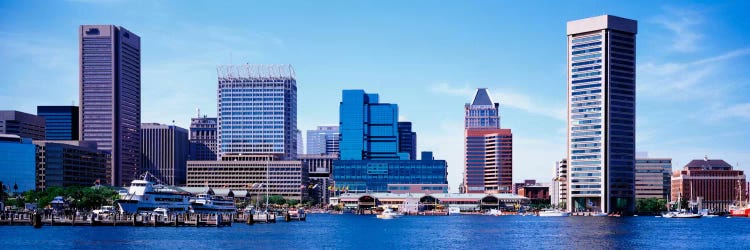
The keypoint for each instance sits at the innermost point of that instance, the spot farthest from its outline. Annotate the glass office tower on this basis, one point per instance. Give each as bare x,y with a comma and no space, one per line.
110,96
323,140
601,114
257,110
369,129
61,122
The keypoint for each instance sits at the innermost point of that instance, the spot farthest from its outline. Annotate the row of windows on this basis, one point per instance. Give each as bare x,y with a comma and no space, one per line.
586,145
587,127
587,68
586,86
584,157
581,151
583,122
586,45
586,39
587,80
593,91
581,104
586,115
586,63
578,58
586,139
585,134
586,51
586,110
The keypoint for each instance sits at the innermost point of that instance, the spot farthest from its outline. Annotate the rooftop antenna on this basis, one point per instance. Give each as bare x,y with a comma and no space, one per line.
198,110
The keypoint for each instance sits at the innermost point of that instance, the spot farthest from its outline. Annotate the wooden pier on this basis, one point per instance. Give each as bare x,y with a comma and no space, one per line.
144,220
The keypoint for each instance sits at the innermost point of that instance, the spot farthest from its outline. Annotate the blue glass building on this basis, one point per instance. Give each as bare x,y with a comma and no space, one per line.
17,162
369,129
257,110
407,140
61,122
359,176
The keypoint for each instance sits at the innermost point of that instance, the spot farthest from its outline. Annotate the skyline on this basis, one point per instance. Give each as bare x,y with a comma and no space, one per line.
425,57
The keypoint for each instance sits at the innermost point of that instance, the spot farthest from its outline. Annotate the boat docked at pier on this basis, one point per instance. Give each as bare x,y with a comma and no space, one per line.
388,214
209,204
553,213
143,195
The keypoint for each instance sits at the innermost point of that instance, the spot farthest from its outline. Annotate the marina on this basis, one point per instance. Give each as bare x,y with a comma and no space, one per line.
408,232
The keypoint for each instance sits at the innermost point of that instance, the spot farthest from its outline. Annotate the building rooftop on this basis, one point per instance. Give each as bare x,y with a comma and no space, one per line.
602,22
482,97
708,164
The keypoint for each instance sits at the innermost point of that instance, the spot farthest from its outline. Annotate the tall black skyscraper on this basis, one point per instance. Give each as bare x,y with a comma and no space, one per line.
110,96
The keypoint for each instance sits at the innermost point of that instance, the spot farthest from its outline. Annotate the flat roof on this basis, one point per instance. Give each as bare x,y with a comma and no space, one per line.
601,23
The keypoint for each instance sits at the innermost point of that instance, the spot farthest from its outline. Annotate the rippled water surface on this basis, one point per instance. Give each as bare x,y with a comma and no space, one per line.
411,232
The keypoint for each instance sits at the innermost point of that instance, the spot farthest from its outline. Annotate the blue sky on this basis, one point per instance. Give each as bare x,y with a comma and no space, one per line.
693,86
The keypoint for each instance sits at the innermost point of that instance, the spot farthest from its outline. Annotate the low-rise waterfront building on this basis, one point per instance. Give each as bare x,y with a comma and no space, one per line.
653,178
407,202
17,163
418,188
70,163
713,182
538,192
362,176
22,124
258,174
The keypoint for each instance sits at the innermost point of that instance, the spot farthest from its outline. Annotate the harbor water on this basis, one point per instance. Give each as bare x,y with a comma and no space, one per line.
324,231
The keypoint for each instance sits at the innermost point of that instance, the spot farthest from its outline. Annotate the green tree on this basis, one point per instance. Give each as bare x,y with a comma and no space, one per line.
650,205
292,202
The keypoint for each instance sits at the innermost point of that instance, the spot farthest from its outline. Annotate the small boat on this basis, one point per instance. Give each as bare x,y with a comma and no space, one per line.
682,215
494,212
600,214
553,213
388,214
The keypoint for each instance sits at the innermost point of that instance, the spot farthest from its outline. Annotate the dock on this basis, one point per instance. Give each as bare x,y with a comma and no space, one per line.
143,220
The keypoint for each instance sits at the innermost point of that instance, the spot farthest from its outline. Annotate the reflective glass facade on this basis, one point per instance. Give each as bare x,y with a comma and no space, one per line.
601,114
369,129
257,110
110,96
61,122
407,140
358,176
17,163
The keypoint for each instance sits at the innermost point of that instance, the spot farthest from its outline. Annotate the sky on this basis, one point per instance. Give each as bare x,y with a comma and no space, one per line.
693,82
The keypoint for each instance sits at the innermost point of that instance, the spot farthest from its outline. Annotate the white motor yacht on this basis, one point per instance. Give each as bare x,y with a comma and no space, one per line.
143,195
206,203
388,214
553,213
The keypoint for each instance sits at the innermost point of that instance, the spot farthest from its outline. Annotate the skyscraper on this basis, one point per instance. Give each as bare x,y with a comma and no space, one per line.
488,149
69,163
164,152
110,96
323,140
407,140
601,114
369,129
22,124
203,139
257,110
61,122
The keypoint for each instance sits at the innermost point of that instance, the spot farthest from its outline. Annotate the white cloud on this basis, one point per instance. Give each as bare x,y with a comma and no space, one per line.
507,98
682,24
